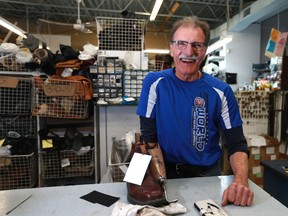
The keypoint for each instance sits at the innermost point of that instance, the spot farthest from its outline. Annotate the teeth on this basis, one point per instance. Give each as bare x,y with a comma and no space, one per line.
187,60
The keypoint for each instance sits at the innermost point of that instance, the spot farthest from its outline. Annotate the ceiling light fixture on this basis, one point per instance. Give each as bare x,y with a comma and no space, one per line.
157,51
218,44
12,27
155,10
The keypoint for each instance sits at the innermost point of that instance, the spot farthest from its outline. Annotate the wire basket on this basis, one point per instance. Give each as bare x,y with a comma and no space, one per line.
15,95
120,33
118,171
18,171
24,125
119,159
8,62
156,65
67,163
59,98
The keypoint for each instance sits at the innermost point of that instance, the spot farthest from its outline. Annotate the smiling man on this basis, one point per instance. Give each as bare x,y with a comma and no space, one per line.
183,109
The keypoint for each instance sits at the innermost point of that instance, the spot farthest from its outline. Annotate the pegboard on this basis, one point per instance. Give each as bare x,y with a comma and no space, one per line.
254,110
120,34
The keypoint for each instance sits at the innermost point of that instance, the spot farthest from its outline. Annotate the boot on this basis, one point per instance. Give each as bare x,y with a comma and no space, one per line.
152,191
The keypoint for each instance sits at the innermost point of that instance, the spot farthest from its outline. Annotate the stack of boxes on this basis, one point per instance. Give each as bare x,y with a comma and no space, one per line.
261,148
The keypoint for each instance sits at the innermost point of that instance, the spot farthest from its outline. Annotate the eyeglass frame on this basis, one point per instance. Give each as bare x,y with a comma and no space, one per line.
193,44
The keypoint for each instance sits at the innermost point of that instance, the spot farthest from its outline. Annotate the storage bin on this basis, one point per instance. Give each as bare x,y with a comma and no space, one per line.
15,95
18,171
59,98
67,163
8,62
25,125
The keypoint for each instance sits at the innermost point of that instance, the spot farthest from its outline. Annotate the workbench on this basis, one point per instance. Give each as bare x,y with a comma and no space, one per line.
65,200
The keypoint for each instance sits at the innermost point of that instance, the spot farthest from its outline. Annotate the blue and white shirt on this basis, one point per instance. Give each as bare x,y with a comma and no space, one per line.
188,115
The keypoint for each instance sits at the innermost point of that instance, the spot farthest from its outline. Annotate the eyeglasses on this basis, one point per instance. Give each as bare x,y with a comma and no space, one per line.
182,45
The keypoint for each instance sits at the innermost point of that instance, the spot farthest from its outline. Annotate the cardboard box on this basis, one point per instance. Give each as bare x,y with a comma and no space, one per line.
261,147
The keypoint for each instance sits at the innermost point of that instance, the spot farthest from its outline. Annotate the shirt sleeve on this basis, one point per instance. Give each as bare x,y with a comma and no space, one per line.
148,97
148,129
235,140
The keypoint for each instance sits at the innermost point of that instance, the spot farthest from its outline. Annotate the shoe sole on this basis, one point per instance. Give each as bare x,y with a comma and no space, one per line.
157,202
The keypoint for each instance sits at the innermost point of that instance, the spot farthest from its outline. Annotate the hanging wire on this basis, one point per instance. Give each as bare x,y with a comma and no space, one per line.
278,21
224,32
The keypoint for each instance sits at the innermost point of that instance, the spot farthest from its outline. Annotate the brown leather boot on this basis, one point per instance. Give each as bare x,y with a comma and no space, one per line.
152,191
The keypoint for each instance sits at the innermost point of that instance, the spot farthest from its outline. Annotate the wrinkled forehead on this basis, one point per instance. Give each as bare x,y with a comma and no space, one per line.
189,32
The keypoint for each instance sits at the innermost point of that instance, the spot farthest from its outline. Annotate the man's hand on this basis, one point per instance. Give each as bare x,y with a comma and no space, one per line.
237,194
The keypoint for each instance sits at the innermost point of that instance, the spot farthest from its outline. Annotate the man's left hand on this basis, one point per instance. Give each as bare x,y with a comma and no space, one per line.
237,194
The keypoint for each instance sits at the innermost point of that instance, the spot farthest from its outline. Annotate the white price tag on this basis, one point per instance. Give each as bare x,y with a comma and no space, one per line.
137,168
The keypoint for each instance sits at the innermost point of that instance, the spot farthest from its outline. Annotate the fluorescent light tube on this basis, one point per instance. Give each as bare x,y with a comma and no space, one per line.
155,10
12,27
218,44
158,51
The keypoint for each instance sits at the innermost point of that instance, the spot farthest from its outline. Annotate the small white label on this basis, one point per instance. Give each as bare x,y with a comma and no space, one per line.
258,141
137,168
65,162
270,150
256,169
255,150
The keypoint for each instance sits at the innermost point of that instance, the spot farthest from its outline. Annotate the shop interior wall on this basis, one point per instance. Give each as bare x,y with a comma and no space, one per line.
241,53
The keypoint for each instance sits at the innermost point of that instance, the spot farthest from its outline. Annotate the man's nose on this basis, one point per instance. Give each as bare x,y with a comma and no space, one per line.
189,49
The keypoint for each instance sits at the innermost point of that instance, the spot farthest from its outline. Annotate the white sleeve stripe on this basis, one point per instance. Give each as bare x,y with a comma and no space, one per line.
224,109
152,97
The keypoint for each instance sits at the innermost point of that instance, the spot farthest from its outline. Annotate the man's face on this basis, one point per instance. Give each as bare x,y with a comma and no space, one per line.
188,57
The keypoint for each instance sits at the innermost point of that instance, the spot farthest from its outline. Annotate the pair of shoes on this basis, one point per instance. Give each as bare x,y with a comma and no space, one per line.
18,144
73,138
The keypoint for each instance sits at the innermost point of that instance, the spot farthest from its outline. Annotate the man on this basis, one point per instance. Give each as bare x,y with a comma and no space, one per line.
183,108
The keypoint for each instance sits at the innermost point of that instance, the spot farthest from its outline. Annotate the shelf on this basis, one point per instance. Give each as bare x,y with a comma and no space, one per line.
215,58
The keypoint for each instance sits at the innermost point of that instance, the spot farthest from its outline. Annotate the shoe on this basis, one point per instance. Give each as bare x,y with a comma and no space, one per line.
151,191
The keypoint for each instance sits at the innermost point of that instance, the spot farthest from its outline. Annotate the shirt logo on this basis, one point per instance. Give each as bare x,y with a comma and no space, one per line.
199,102
199,124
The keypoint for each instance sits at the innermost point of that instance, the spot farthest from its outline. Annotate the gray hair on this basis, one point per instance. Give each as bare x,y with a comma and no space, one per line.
191,21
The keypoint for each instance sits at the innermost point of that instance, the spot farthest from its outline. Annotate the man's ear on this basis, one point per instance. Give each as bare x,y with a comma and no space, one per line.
171,50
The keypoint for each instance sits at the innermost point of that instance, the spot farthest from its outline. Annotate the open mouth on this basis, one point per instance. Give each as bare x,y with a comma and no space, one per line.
190,59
